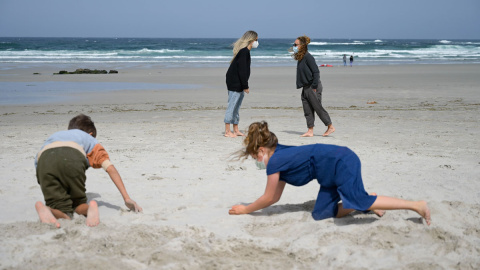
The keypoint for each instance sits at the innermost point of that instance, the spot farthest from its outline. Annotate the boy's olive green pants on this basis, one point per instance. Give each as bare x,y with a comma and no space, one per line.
61,175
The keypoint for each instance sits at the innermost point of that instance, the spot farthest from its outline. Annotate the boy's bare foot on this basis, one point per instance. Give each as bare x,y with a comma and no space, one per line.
93,218
329,131
424,211
46,215
230,134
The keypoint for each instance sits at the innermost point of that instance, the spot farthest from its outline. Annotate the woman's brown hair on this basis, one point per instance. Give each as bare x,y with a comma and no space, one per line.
304,41
258,136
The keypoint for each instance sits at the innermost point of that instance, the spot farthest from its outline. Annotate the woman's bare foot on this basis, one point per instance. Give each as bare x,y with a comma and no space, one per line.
238,133
45,214
309,133
93,218
230,134
329,131
424,211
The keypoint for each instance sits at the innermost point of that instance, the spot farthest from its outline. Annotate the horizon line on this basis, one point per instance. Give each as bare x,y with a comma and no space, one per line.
125,37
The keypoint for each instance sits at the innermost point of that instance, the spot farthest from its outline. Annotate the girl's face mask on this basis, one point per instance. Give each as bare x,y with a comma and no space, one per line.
261,164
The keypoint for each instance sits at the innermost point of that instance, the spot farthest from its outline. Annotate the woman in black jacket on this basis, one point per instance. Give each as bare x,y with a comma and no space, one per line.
237,80
308,78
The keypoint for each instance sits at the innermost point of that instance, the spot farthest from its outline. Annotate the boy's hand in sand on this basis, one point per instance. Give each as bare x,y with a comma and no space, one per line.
238,210
132,205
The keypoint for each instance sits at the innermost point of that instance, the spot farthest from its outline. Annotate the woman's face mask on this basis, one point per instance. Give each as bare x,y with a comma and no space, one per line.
255,44
295,49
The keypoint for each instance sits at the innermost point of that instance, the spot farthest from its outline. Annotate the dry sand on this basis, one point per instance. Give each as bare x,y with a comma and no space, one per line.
419,140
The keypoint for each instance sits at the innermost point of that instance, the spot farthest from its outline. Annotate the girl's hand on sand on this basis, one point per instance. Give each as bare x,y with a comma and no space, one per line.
132,205
238,210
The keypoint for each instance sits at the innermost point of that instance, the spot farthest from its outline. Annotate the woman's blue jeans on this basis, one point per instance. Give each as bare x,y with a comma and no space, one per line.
235,99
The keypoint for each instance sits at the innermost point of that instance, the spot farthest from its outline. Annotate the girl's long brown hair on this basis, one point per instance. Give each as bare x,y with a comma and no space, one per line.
304,41
258,136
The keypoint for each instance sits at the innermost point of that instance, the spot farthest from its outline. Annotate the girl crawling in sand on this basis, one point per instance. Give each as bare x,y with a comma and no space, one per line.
336,168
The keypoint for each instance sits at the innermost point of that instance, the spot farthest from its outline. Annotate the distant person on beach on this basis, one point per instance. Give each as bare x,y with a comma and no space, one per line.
61,165
344,60
237,80
351,60
337,169
308,78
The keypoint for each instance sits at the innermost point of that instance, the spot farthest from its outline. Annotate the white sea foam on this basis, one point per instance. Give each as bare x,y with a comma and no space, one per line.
319,43
327,51
145,50
336,43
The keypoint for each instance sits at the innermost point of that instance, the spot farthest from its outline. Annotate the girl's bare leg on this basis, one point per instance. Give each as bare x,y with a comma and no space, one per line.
46,215
379,213
390,203
342,211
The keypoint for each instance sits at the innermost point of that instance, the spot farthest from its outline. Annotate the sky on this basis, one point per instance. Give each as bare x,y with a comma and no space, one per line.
350,19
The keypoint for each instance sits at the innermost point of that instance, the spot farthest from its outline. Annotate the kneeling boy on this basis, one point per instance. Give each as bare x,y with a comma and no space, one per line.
61,165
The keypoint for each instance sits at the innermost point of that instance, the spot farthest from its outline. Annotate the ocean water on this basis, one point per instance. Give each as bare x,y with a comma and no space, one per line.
166,52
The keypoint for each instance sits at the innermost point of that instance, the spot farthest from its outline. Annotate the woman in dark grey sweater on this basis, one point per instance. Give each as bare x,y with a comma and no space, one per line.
237,80
308,78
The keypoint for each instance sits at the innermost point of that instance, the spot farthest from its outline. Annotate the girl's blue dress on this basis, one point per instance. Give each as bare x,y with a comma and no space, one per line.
336,168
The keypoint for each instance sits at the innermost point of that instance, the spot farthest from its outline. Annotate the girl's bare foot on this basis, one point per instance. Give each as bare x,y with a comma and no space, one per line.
93,218
46,215
379,213
424,211
329,131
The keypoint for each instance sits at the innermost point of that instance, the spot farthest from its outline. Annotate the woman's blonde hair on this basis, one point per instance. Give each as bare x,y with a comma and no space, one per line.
258,136
243,42
304,41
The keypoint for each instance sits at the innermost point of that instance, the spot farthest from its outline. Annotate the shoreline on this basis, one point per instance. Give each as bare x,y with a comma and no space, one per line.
351,81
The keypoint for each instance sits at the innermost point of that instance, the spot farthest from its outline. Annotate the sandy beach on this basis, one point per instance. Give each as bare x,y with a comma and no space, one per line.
416,129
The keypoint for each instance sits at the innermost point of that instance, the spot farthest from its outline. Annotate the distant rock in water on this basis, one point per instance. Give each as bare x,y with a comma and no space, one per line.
113,71
85,71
